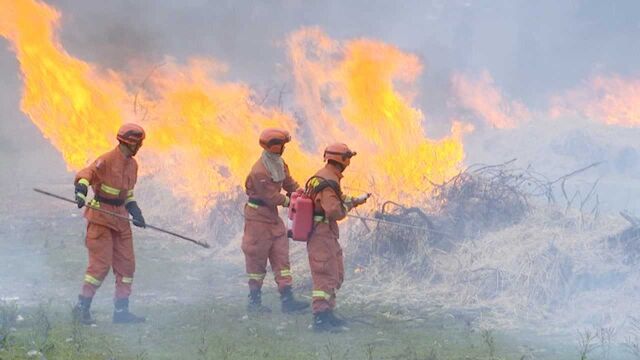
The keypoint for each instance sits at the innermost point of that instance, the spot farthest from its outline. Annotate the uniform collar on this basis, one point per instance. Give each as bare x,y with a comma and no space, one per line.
334,169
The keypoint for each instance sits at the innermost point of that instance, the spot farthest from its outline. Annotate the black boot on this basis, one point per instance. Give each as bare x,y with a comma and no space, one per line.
81,313
255,303
121,314
321,322
289,302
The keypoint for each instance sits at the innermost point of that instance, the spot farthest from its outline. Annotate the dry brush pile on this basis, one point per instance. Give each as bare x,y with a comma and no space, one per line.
499,244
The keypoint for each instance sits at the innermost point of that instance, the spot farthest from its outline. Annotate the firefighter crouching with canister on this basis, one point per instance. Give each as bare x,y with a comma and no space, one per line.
325,253
265,236
109,240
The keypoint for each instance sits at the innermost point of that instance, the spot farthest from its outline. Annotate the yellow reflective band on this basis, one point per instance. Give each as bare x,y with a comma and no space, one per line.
320,219
130,197
286,202
127,280
81,196
254,276
314,182
94,203
110,190
252,205
285,272
84,182
91,280
320,294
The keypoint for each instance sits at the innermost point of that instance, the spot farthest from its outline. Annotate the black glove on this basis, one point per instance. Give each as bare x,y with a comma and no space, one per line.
136,214
81,194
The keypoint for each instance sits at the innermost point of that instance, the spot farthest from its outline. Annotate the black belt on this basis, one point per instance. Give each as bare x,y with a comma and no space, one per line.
114,202
258,202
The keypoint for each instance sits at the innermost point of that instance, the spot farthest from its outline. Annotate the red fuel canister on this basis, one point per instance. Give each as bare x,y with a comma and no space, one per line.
301,214
292,205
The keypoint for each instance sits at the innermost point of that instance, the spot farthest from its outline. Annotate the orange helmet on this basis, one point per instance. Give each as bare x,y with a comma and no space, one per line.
131,134
339,153
273,140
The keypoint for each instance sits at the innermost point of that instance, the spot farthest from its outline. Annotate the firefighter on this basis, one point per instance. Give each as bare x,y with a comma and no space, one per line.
325,253
109,240
265,236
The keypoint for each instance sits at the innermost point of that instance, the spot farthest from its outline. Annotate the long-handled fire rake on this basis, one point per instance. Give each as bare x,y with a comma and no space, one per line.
203,244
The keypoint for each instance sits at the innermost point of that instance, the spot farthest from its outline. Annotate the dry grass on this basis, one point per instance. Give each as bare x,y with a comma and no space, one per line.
547,267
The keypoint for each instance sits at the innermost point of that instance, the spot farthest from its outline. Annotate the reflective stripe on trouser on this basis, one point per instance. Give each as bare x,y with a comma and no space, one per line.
260,247
91,280
109,249
327,271
90,285
255,280
322,300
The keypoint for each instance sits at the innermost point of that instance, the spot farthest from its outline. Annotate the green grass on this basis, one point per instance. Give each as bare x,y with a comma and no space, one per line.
223,331
49,334
195,305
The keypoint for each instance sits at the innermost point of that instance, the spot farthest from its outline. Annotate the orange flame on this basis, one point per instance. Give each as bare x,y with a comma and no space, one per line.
77,108
482,97
611,100
202,132
371,83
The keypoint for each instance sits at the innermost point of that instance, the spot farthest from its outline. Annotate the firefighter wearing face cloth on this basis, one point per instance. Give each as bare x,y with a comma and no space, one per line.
265,236
112,178
325,253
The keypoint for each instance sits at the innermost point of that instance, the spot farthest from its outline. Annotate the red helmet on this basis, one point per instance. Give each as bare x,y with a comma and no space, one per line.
273,140
131,134
339,153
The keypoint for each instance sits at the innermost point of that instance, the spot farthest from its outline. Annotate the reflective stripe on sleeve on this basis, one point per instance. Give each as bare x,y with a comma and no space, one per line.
252,205
320,219
84,182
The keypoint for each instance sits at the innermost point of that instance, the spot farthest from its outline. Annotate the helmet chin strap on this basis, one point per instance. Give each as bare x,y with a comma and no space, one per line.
134,149
131,149
337,164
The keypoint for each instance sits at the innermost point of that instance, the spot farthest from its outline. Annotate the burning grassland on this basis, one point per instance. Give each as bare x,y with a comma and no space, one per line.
203,127
500,246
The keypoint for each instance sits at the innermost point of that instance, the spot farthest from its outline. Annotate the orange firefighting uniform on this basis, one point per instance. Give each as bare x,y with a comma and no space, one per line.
109,240
265,235
325,253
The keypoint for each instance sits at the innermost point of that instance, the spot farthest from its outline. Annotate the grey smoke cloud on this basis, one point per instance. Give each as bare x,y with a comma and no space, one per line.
531,48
